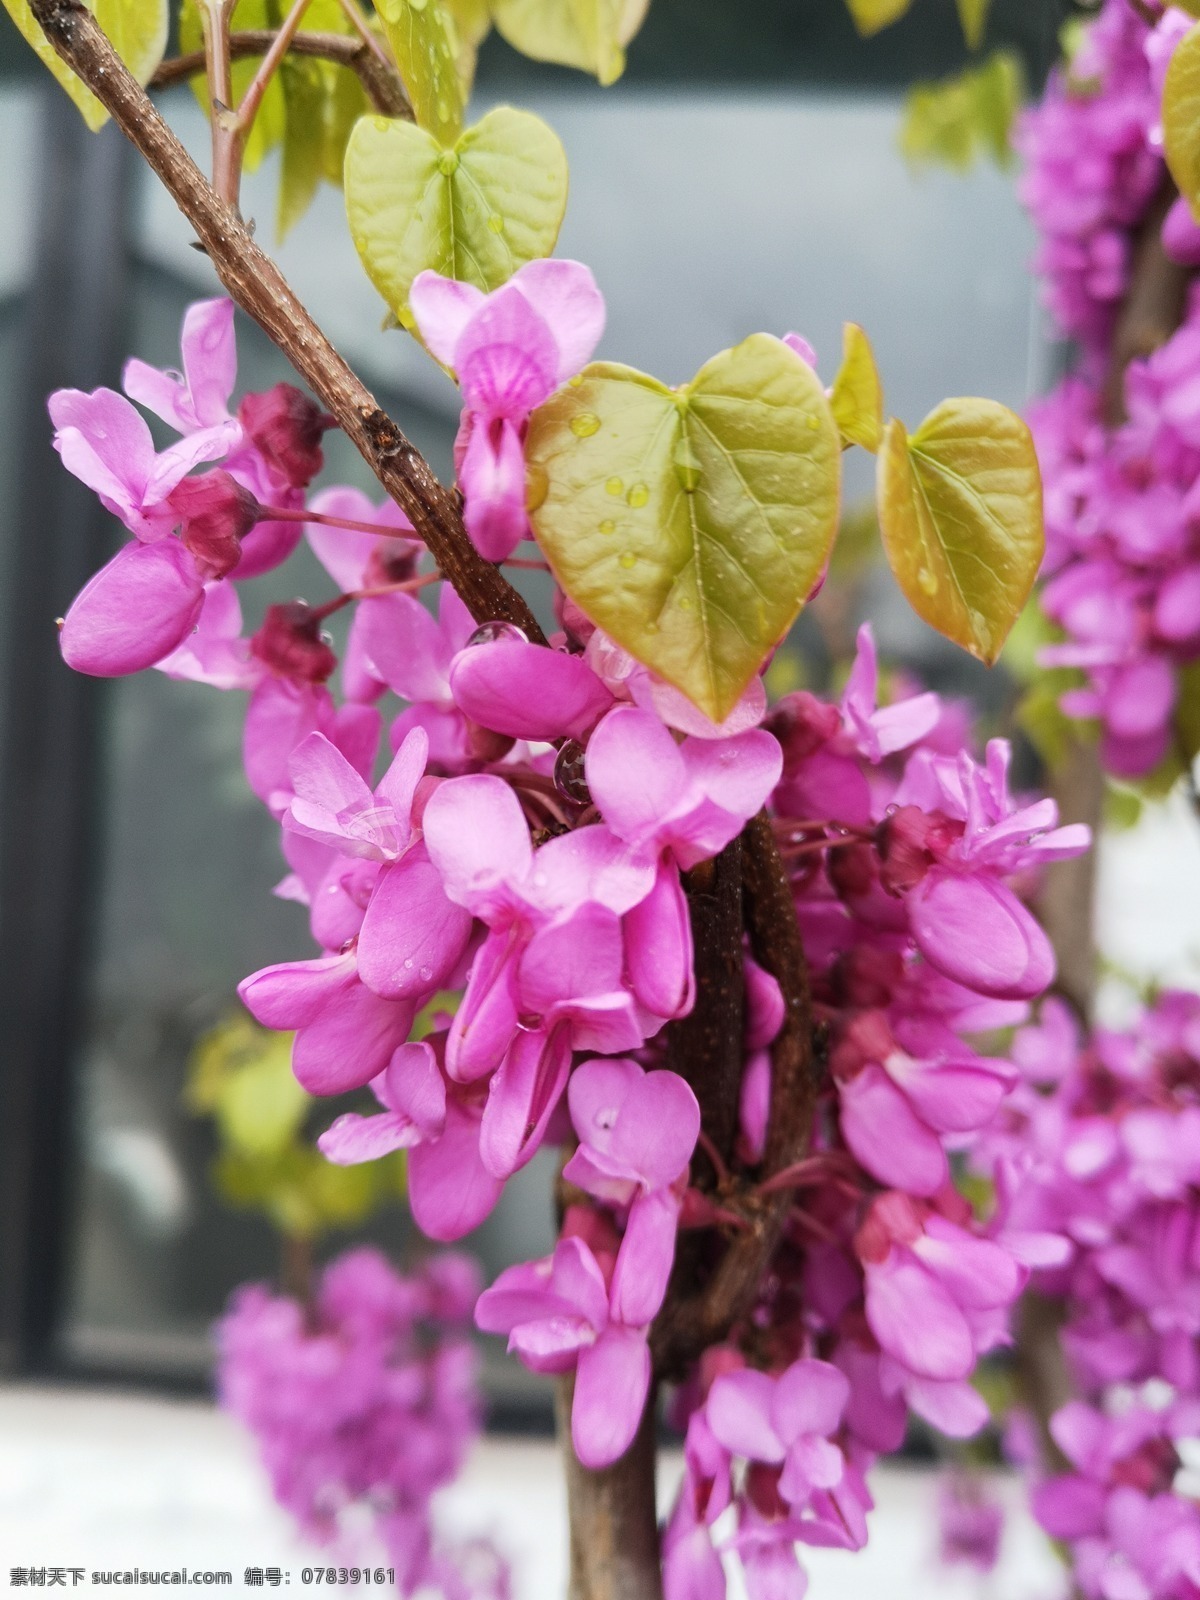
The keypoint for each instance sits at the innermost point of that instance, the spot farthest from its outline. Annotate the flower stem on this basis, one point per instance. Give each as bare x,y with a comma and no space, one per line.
380,529
252,99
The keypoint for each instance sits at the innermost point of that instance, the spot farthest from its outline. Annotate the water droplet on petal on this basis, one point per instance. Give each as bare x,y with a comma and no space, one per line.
408,963
585,424
497,633
426,974
638,496
569,777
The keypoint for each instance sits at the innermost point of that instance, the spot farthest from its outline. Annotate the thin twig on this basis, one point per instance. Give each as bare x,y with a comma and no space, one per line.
354,15
256,284
248,107
380,80
226,159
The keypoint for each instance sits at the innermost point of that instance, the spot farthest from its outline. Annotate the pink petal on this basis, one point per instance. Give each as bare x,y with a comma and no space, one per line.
344,553
955,1408
412,1086
765,1009
915,1320
353,1138
588,864
954,1097
405,646
580,956
978,1272
1069,1507
329,794
644,1259
527,691
105,443
612,1381
492,479
412,936
280,715
1177,606
521,1097
674,708
450,1191
477,837
812,1463
658,946
657,1128
442,308
399,782
882,1130
134,612
293,994
1140,699
636,774
810,1397
597,1091
350,1041
486,1019
565,296
739,1413
506,357
754,1106
976,931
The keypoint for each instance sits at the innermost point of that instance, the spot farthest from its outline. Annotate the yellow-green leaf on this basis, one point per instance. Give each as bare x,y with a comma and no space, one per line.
475,212
690,524
472,21
1181,117
137,30
425,46
857,397
870,16
306,90
958,119
960,511
261,1107
972,14
589,34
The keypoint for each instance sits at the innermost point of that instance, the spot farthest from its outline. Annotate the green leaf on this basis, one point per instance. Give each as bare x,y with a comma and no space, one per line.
954,122
1187,711
261,1107
425,46
1181,117
306,91
472,21
869,16
690,524
857,397
588,34
972,14
960,511
475,213
345,103
137,30
270,124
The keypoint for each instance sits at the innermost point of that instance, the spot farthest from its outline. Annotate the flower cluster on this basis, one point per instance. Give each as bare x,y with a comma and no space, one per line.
366,1402
1123,529
1096,1161
505,924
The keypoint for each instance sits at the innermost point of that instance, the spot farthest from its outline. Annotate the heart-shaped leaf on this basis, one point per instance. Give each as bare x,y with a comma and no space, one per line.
690,524
589,34
424,44
960,512
1181,117
870,16
475,212
857,397
137,30
972,15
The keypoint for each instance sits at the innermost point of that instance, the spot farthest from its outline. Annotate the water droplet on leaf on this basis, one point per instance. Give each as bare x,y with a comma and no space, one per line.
608,526
926,581
585,424
638,496
496,222
615,487
448,163
687,466
627,558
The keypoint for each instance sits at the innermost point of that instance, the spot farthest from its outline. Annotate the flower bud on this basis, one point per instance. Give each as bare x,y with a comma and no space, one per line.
910,841
291,645
802,724
852,870
286,426
217,513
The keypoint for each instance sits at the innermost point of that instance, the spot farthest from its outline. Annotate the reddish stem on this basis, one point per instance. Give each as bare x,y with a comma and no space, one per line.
407,587
379,529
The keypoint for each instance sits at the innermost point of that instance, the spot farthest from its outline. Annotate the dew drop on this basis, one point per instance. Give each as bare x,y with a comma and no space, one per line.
576,381
638,496
627,559
497,633
812,423
926,581
448,163
408,962
569,777
443,111
426,974
608,526
496,222
417,5
615,487
685,603
585,424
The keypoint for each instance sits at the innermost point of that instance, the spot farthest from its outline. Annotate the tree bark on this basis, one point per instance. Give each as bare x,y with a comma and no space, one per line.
1068,900
613,1514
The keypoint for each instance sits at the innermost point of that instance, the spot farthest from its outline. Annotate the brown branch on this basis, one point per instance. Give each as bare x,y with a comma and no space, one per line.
382,84
705,1047
256,284
1154,302
686,1325
613,1517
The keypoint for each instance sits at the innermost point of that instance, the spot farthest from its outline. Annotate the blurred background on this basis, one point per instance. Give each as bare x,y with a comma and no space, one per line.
745,174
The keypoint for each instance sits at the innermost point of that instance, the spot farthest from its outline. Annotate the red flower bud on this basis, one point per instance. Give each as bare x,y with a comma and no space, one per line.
217,513
866,1038
802,724
286,427
290,644
910,841
852,869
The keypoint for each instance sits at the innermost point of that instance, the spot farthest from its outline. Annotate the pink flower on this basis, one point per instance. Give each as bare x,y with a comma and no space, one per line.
509,349
785,1422
557,1315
